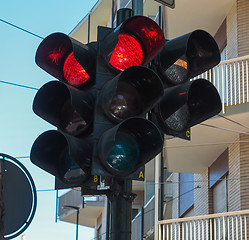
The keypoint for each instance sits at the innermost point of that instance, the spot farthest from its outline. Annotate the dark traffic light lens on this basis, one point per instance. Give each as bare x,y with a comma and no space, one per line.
74,73
69,170
178,72
124,154
128,52
179,120
71,121
126,103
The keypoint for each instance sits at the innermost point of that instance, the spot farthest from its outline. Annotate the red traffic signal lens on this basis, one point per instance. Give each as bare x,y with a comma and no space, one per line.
73,72
128,52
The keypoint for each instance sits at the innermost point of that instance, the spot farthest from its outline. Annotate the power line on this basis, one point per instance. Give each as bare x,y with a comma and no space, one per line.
229,119
221,128
19,85
22,29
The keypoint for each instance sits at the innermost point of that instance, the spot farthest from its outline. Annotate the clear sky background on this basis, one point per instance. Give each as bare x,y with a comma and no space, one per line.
19,126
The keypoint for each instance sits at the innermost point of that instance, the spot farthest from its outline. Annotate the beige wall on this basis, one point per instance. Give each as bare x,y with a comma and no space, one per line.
238,182
232,43
238,30
243,27
234,173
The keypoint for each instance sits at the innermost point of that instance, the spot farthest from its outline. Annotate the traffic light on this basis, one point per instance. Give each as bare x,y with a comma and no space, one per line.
186,103
116,98
67,104
124,140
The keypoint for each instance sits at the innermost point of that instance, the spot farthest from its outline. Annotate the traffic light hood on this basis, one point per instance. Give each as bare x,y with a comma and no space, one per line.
134,42
67,59
186,105
66,107
187,56
129,145
63,156
131,93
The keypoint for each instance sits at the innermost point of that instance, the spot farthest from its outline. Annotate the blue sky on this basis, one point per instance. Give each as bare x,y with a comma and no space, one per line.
19,126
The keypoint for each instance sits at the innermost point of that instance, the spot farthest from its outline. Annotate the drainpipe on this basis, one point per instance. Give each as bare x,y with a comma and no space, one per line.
89,23
157,175
107,219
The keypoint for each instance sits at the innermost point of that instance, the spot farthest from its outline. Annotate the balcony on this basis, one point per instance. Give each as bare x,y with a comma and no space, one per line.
93,206
221,226
231,78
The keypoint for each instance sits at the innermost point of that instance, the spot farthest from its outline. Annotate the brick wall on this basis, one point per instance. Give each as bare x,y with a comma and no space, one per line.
201,195
234,175
243,27
232,35
244,171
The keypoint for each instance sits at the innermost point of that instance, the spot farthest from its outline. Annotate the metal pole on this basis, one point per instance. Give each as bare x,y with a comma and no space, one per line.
112,13
1,204
157,174
162,187
142,224
107,219
77,224
137,7
89,25
77,217
121,199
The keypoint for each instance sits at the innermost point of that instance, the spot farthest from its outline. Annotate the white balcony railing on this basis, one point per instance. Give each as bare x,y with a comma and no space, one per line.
221,226
231,78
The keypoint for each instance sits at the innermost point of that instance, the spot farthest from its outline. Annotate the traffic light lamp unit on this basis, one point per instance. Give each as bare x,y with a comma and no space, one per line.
107,89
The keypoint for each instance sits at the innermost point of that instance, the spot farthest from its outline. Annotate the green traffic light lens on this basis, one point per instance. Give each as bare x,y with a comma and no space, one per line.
124,154
70,171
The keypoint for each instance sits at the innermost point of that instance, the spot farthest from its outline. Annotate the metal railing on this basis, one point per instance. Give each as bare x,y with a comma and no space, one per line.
148,220
231,78
221,226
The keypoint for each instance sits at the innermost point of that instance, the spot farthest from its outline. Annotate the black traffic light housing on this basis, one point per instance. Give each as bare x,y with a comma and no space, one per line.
187,56
121,132
62,57
185,102
101,104
186,105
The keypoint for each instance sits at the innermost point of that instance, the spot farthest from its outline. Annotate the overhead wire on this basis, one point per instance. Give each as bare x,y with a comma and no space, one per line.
229,119
20,28
19,85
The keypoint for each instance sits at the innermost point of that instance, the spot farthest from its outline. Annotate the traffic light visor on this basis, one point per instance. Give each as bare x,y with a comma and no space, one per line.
66,107
129,145
67,59
51,152
131,93
135,42
187,56
188,104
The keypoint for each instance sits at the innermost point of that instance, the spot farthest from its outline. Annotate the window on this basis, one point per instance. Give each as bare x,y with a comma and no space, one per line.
186,193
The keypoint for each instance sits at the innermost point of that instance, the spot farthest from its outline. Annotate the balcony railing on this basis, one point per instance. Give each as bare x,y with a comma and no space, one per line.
231,78
221,226
146,218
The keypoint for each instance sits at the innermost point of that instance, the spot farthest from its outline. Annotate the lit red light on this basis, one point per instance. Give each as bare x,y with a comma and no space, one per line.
56,55
183,93
128,52
73,72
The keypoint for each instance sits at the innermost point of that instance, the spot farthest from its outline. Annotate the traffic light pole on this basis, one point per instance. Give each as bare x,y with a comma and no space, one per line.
121,198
